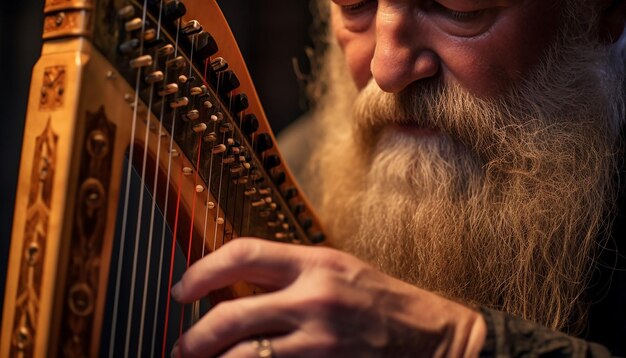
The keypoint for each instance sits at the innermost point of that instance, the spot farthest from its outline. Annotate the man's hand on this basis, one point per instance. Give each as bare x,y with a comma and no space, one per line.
319,303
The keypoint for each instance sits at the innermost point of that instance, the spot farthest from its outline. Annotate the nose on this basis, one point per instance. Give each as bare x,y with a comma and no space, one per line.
401,56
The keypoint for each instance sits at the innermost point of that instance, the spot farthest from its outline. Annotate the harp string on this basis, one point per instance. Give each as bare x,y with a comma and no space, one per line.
173,248
249,187
151,225
224,156
169,286
127,188
133,284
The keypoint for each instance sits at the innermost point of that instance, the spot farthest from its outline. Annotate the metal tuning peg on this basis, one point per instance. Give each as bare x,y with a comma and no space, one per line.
154,77
239,102
204,45
290,193
228,82
306,223
173,10
219,64
165,50
177,63
279,178
263,142
249,124
133,24
129,46
191,28
126,12
271,161
141,61
317,238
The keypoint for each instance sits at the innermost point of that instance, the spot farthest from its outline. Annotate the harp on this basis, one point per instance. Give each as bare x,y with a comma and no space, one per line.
158,85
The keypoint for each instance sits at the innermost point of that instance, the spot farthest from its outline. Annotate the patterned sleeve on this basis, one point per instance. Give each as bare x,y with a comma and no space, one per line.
509,336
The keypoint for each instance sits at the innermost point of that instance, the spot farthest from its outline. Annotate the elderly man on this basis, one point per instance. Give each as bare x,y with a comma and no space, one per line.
468,151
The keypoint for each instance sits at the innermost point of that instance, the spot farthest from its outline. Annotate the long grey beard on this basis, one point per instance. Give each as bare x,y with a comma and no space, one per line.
505,208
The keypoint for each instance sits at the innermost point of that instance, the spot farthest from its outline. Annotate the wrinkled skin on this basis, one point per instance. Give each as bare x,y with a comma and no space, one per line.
320,303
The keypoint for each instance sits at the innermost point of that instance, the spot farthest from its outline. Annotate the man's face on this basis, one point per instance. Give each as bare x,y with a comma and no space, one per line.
503,203
482,45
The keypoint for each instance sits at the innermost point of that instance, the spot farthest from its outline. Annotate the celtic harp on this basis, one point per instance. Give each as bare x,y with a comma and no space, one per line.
159,86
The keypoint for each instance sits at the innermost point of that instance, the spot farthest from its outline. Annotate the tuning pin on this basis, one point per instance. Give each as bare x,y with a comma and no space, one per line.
217,117
173,10
195,91
126,12
129,46
239,102
168,89
141,61
279,178
193,115
165,50
190,28
249,124
226,127
219,64
149,35
298,209
154,77
176,63
204,45
306,223
258,203
220,148
230,159
228,82
235,169
271,161
210,138
263,142
199,128
179,102
317,238
133,25
290,193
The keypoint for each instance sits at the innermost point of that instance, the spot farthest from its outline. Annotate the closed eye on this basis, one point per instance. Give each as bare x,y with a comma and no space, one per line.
460,16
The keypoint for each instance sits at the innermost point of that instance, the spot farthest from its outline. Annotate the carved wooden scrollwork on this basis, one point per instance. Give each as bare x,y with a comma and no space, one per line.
87,238
52,88
36,232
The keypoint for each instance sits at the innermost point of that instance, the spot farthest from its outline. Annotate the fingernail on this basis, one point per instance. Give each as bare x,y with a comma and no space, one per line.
175,351
176,291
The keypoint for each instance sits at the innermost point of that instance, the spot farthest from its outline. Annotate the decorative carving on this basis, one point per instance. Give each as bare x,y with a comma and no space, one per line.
55,5
35,235
87,238
52,88
66,23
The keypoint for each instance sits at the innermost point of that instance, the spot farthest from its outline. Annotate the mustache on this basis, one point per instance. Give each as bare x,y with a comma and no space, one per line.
433,104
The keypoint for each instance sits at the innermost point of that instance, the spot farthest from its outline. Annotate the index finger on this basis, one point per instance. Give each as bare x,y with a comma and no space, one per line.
255,261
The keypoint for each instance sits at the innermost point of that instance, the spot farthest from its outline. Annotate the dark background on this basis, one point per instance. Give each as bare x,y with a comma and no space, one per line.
270,33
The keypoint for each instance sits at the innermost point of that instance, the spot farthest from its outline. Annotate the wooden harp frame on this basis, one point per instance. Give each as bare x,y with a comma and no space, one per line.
77,134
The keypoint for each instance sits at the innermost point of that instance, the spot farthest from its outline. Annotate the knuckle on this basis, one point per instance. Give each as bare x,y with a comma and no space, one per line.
332,259
228,316
243,251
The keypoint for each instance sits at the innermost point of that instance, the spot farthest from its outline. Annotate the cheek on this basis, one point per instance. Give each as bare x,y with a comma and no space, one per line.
358,55
513,49
358,49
